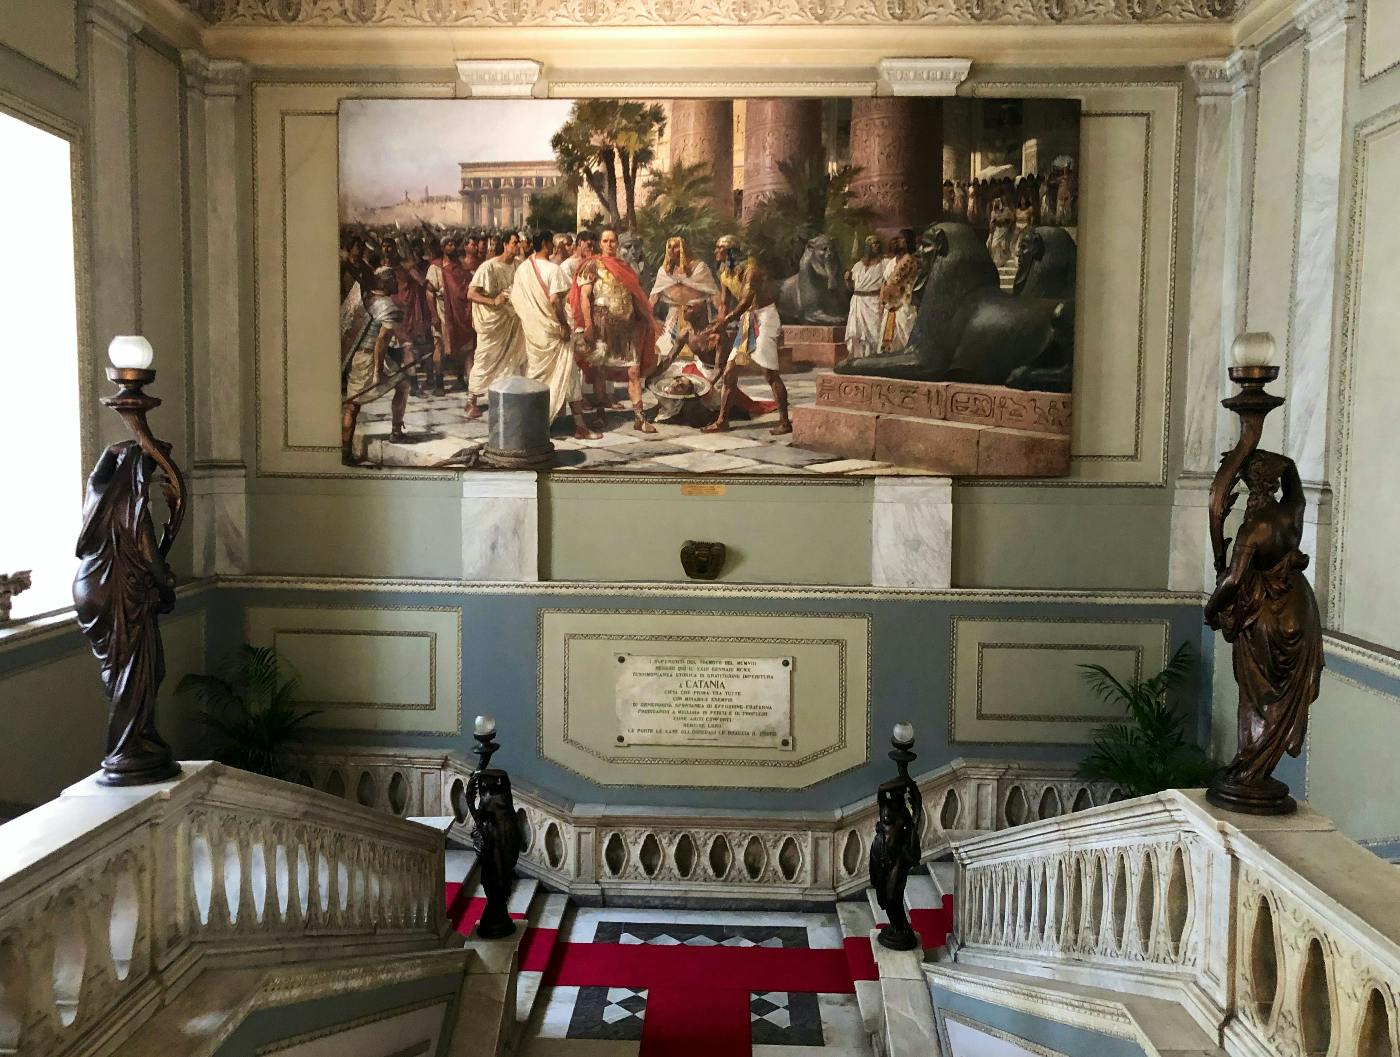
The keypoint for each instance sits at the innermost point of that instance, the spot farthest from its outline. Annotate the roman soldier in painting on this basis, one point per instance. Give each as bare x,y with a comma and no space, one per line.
619,327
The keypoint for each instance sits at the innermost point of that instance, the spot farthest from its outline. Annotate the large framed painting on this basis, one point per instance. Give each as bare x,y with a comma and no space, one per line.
794,287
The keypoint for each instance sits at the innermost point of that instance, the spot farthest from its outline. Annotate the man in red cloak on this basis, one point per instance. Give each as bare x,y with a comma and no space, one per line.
619,326
457,272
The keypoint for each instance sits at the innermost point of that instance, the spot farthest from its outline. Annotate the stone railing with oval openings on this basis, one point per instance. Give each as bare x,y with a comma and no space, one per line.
109,897
1279,936
588,850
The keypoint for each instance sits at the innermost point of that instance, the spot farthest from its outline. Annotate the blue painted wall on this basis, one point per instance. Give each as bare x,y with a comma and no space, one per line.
910,669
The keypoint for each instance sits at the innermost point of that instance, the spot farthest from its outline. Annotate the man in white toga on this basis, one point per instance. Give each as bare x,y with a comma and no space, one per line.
537,294
500,348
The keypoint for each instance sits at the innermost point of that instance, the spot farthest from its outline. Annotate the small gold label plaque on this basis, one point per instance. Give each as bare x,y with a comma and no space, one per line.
703,489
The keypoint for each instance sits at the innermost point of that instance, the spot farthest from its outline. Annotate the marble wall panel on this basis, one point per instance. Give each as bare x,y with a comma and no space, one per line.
1351,774
577,720
1273,233
1380,38
1369,508
372,669
1020,681
46,33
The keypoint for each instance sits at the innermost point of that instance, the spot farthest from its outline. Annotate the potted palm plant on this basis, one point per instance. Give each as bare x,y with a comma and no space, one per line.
1149,751
250,709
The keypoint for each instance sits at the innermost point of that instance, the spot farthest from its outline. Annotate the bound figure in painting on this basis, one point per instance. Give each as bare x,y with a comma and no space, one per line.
1265,608
122,586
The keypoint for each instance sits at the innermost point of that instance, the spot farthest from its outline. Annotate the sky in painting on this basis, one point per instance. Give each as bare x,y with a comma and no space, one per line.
389,146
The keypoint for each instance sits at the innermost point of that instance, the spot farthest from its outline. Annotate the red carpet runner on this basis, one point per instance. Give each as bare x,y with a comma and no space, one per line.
697,997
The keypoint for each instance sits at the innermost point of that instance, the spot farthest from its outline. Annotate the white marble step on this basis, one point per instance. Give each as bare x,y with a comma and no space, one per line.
547,913
459,866
522,895
857,923
945,877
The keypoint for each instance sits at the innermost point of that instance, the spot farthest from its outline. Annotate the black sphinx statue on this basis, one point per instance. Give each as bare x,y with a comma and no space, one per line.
124,583
896,848
817,294
968,330
492,809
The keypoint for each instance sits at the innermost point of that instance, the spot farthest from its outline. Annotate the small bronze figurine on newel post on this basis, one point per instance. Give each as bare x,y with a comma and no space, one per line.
123,582
1263,604
498,840
896,848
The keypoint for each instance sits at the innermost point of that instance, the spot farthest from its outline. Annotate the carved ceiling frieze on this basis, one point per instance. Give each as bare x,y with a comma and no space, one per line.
444,13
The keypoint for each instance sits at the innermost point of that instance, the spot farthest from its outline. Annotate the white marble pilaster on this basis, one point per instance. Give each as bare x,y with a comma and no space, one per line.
911,533
114,274
1319,234
500,526
1223,91
216,90
219,511
1317,293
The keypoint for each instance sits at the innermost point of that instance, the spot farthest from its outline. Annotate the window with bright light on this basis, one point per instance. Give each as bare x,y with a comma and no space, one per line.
41,471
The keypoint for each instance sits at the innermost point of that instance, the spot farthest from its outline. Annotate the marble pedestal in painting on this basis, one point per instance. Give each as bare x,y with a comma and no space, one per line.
946,427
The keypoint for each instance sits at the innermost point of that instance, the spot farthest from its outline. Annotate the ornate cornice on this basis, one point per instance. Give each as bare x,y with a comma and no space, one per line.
117,18
1224,77
924,76
501,79
1319,19
478,13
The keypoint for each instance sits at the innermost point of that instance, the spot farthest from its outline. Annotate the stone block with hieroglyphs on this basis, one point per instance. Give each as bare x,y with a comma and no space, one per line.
886,396
996,405
943,427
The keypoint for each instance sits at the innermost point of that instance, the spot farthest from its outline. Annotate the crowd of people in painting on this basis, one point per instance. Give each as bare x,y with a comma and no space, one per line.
1005,208
567,310
424,308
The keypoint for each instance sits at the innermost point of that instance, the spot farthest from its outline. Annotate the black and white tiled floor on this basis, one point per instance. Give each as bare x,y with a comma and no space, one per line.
608,1021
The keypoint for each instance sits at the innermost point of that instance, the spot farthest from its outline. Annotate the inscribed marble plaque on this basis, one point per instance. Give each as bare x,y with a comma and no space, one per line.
733,701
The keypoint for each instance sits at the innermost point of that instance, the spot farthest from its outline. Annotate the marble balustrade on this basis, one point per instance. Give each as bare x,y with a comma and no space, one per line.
1279,936
592,851
109,898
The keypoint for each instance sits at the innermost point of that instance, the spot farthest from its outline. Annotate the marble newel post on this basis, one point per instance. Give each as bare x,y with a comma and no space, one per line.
702,131
776,131
114,275
1225,91
911,533
1317,294
216,93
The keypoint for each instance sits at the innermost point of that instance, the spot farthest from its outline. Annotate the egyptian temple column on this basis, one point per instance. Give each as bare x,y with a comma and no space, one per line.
776,131
898,144
957,140
702,130
1225,90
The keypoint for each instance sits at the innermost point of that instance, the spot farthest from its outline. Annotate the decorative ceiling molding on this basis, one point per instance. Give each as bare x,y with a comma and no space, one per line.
482,13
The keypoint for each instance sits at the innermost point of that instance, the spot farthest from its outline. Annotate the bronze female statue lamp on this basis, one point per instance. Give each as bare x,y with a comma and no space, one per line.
124,582
896,848
1262,603
498,837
